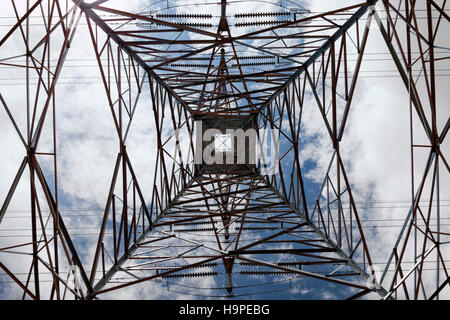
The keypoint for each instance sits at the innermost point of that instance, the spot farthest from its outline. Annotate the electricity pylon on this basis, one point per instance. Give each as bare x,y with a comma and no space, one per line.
242,224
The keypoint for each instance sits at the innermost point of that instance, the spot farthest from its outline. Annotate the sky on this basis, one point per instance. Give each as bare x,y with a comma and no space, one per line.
375,149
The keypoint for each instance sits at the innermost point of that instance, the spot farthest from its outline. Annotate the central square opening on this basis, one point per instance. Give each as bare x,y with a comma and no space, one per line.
223,143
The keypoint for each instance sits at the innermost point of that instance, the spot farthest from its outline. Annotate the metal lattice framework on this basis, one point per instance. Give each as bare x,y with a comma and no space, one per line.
246,225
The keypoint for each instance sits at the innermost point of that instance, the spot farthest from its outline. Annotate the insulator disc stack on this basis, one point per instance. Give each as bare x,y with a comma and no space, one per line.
191,24
186,65
262,57
184,15
257,228
255,64
265,273
253,264
196,223
262,14
205,265
191,275
260,23
195,230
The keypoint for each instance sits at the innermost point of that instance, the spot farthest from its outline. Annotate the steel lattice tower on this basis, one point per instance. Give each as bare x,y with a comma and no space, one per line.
232,69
